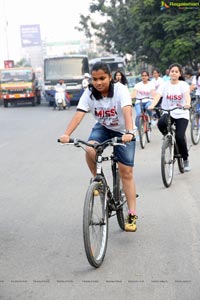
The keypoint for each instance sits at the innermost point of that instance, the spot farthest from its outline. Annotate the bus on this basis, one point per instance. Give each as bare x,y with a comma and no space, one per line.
115,62
69,68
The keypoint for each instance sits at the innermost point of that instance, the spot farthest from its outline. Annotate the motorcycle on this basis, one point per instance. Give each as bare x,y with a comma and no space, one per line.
60,101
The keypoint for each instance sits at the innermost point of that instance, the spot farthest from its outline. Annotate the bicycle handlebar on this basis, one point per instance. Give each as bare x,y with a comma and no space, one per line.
150,98
171,109
111,142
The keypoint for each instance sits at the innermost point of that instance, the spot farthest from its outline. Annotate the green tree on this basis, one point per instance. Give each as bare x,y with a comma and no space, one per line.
23,63
139,26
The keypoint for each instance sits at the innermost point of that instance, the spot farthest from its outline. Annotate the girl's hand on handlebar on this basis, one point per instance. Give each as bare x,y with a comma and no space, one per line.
64,138
186,106
127,137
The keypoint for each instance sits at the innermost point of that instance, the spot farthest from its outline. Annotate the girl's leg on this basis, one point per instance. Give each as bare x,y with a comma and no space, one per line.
90,159
126,174
146,105
138,113
181,126
162,124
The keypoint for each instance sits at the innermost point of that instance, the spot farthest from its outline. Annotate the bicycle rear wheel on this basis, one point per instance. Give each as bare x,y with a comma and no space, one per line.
95,224
179,158
121,202
167,162
195,129
142,134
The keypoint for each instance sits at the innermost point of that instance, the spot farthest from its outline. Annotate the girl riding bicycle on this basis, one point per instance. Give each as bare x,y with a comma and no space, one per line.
111,106
175,93
143,89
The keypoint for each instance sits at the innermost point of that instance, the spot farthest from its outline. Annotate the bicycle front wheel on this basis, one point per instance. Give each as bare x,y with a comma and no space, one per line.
95,224
195,129
148,130
141,132
167,162
121,202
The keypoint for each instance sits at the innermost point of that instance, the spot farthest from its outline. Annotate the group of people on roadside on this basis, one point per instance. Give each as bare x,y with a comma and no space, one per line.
110,102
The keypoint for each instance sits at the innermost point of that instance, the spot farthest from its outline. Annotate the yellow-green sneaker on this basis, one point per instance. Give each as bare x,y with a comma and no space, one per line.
130,224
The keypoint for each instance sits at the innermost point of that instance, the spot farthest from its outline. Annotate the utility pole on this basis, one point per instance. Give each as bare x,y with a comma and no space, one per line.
6,36
4,30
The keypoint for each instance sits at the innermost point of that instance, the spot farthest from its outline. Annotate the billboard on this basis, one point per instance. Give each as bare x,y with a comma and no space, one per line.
30,35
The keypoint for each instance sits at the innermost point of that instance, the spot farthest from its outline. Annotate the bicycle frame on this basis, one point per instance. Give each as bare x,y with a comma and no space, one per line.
100,177
144,115
170,129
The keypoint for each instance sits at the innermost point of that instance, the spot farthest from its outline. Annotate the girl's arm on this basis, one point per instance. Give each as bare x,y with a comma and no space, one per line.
153,93
134,94
192,87
187,100
75,121
129,125
156,99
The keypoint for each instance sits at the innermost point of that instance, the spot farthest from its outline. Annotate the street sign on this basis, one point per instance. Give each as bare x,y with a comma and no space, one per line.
8,64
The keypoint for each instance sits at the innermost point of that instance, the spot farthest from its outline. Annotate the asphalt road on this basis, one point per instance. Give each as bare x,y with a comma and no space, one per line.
42,189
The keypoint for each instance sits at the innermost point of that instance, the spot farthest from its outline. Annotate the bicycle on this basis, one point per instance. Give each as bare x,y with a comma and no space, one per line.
170,152
195,121
144,125
101,203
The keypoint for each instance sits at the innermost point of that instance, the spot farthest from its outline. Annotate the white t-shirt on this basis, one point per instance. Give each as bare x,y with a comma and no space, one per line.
157,82
144,90
197,84
173,96
108,111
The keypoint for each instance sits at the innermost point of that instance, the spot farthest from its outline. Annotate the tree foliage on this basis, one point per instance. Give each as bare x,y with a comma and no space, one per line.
141,27
23,63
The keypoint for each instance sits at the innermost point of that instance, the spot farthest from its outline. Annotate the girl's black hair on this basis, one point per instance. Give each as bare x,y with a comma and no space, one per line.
156,70
180,70
94,92
188,71
123,80
145,71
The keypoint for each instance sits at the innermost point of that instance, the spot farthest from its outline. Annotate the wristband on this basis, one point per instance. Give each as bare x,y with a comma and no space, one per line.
130,132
